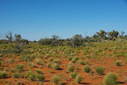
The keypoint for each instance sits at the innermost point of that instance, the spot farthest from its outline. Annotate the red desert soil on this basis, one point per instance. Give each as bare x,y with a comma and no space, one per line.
88,79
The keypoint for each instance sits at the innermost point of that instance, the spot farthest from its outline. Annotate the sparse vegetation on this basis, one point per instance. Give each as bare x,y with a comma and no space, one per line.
77,59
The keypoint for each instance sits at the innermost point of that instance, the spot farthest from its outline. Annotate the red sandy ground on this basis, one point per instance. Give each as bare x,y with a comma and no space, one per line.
88,79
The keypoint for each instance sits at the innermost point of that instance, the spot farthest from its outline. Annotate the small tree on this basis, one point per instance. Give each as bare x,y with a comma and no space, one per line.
53,41
113,35
122,35
9,36
102,34
77,40
55,37
45,41
18,37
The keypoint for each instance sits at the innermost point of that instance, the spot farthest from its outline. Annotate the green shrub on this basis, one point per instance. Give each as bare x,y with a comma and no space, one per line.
83,63
11,61
70,68
118,63
31,76
56,66
39,71
35,76
70,58
73,75
3,74
87,69
49,65
1,55
56,61
40,77
27,58
56,79
75,59
17,75
110,79
100,70
32,65
1,62
18,83
39,61
78,79
20,67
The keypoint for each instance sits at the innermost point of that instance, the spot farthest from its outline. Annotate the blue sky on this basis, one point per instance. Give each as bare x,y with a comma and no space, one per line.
35,19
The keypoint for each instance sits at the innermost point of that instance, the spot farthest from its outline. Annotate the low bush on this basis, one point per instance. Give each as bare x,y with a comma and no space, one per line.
49,65
100,70
73,75
56,79
39,61
39,71
1,55
87,69
75,59
17,75
27,58
118,63
70,68
56,66
18,82
32,65
83,63
56,61
20,67
3,74
33,76
1,62
78,79
110,79
70,58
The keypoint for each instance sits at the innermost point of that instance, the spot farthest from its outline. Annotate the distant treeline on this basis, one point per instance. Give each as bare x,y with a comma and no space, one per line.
75,41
